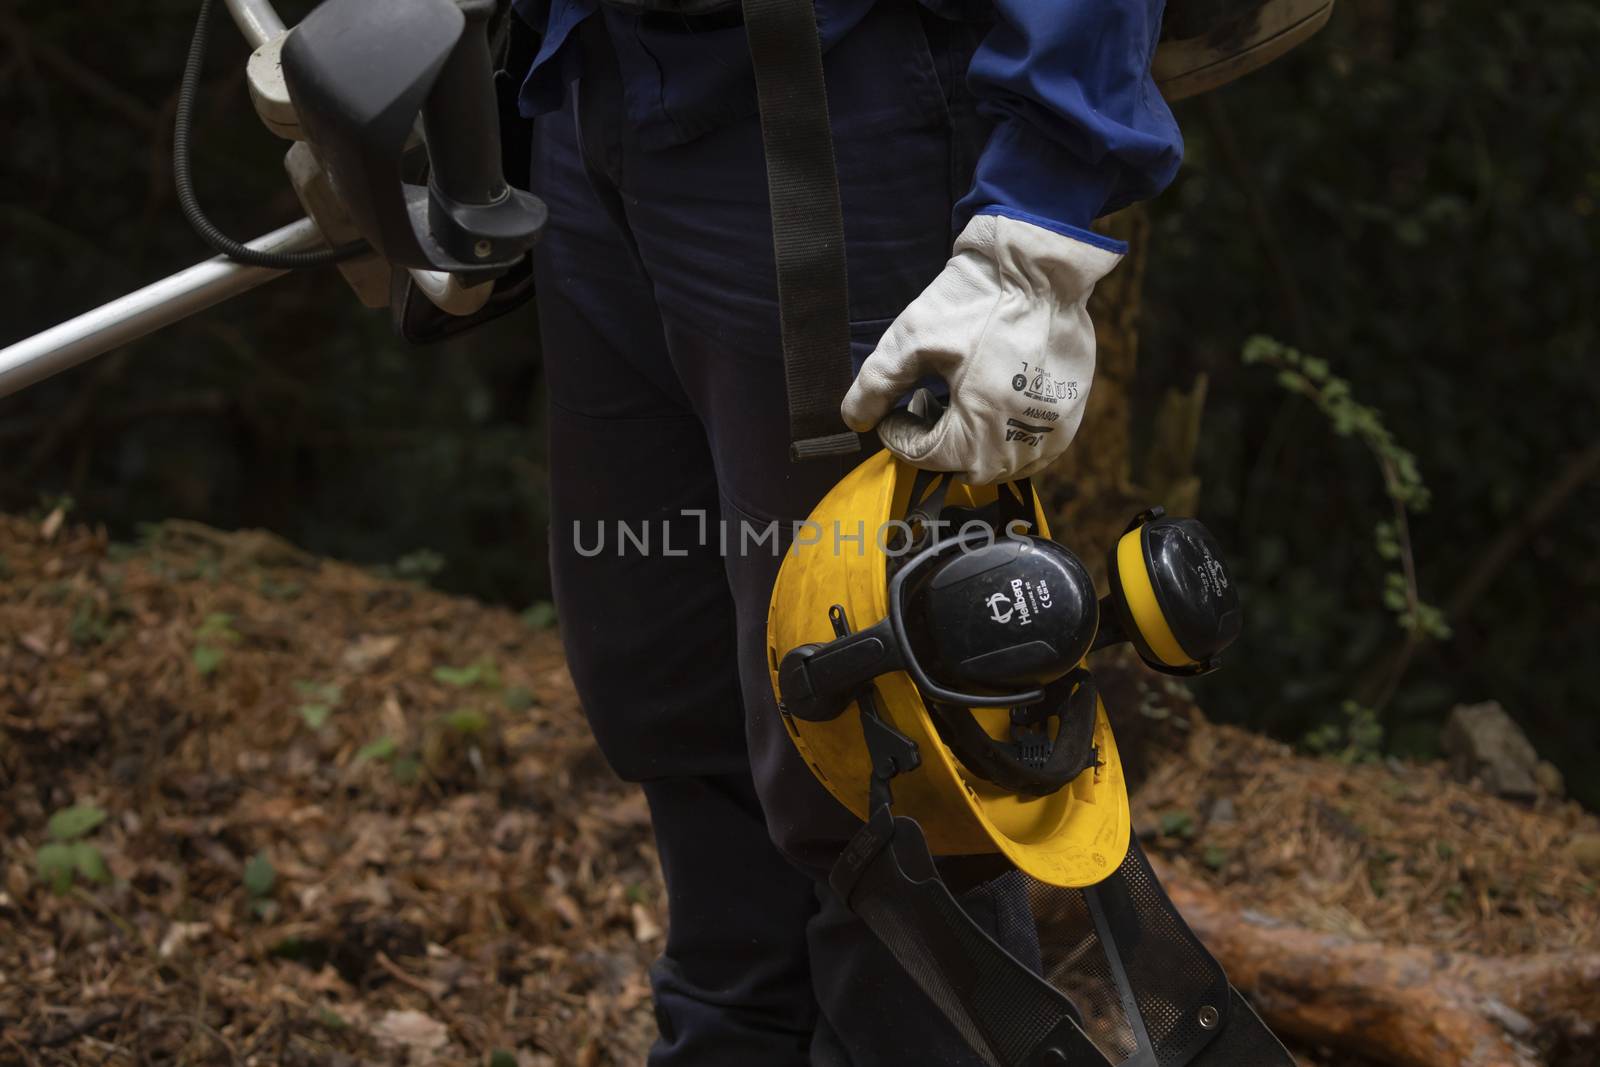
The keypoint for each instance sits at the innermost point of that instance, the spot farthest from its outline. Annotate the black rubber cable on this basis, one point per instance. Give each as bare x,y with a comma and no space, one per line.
183,176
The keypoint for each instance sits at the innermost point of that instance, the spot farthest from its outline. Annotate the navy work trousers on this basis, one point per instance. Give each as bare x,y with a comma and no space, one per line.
659,314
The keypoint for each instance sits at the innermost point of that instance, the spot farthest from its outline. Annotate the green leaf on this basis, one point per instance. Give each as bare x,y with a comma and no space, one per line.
518,698
69,824
88,861
381,749
218,627
207,658
459,677
407,769
540,615
467,722
1177,824
315,715
420,565
1215,857
483,672
259,875
55,863
502,1058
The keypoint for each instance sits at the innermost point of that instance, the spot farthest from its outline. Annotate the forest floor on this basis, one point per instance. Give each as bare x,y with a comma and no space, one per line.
266,808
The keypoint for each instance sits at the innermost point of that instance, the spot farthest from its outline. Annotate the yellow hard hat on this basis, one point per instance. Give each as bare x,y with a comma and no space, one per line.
966,651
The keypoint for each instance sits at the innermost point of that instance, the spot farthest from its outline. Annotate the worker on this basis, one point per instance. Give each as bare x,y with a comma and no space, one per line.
976,142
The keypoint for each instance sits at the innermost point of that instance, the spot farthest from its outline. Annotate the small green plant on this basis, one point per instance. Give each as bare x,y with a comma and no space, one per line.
421,566
540,615
67,856
483,672
1356,738
321,698
212,638
518,698
1177,824
379,751
1312,378
91,625
260,876
468,722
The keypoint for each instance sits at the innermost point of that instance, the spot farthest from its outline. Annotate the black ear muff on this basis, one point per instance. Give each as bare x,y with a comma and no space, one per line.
1171,594
1017,613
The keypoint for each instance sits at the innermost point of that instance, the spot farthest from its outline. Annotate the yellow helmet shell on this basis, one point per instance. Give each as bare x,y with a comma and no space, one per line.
1074,837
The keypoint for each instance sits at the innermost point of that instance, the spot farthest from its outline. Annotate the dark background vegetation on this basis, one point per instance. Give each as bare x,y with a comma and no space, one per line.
1412,196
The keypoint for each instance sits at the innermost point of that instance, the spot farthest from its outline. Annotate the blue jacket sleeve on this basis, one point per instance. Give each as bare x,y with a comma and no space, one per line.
1081,127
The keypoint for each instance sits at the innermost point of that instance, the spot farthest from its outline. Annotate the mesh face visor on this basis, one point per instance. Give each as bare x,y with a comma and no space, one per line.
1053,977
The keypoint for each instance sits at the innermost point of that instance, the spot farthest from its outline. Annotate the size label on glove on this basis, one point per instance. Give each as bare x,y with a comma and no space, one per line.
1036,421
1041,386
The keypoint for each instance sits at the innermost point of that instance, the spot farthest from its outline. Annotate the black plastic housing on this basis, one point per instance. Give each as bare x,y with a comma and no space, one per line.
1017,612
360,74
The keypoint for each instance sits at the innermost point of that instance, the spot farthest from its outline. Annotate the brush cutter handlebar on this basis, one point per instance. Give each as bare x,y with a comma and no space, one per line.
402,155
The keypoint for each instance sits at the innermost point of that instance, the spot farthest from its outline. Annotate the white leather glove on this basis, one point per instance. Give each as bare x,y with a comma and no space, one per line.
1005,325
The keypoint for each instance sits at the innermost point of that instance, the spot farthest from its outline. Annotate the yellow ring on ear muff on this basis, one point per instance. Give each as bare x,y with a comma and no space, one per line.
1140,596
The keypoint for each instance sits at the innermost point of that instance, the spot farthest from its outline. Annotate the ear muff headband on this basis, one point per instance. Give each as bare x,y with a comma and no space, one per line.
1140,596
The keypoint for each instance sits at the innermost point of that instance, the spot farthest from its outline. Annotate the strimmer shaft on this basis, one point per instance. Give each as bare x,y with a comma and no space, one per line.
144,311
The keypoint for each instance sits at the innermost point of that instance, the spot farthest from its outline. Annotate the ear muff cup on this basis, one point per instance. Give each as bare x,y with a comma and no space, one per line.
1172,594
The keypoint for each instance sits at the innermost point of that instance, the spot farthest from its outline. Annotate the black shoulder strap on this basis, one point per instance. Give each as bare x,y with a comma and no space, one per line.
807,223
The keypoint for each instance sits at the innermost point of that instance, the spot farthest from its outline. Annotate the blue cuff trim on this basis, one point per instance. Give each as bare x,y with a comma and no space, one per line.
1088,237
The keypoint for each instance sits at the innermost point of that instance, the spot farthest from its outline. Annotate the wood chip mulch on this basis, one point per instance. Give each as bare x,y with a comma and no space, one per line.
342,819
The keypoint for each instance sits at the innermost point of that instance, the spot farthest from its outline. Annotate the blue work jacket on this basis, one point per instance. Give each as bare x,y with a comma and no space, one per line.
1080,127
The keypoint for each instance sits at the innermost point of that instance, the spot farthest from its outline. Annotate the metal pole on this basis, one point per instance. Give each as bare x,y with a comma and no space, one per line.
130,317
256,20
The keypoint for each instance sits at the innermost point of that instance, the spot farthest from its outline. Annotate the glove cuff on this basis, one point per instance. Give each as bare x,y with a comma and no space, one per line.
1039,258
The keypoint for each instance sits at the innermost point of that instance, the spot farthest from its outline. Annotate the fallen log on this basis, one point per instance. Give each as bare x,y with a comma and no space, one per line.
1405,1005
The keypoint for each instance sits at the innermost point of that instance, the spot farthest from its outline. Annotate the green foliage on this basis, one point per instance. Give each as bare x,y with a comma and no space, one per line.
380,750
207,658
90,625
69,824
1356,738
502,1058
1312,378
421,566
315,715
407,769
483,672
60,862
260,876
468,722
1415,190
67,856
212,637
1178,824
540,615
518,698
321,700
